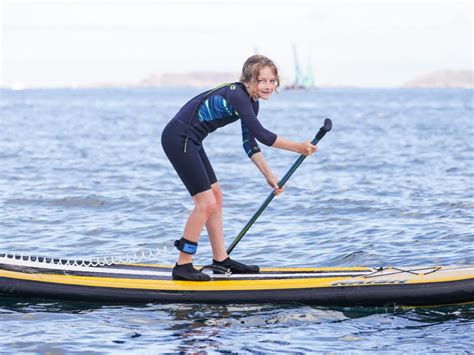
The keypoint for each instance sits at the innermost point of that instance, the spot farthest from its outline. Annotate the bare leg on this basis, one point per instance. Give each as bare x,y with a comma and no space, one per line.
204,206
216,236
215,228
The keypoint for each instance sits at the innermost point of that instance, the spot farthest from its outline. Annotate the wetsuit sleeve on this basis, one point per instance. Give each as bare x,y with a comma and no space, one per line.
241,103
248,141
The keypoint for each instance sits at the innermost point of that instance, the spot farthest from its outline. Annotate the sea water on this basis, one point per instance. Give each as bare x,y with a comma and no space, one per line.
83,174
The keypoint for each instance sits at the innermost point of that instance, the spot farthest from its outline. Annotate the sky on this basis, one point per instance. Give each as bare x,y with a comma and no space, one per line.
369,43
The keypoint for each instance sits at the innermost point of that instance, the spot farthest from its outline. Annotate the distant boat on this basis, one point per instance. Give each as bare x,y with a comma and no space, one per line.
303,81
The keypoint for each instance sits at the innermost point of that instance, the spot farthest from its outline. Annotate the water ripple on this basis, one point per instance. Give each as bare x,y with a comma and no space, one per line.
83,175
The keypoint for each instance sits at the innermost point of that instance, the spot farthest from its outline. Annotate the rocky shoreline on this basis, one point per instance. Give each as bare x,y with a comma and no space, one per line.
462,79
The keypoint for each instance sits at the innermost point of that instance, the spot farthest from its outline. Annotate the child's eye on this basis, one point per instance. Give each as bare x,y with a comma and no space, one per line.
271,81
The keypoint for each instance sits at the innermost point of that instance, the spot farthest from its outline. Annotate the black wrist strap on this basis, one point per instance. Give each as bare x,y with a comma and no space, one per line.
186,246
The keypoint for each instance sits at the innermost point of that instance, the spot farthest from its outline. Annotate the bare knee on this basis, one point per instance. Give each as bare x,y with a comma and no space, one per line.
218,198
216,190
206,207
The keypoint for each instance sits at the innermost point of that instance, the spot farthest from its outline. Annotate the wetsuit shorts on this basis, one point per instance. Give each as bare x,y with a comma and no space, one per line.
193,166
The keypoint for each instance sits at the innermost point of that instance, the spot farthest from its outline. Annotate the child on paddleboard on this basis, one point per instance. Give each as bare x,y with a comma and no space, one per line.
182,141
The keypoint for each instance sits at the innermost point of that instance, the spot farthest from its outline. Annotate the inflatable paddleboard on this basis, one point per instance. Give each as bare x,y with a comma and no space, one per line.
60,279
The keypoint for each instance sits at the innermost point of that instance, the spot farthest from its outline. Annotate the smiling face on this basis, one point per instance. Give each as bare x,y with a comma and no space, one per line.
260,77
266,83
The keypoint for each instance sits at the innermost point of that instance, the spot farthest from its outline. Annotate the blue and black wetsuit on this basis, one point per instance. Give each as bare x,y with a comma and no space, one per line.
182,137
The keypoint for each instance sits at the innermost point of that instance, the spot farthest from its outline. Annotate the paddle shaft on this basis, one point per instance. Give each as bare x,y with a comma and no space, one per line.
270,197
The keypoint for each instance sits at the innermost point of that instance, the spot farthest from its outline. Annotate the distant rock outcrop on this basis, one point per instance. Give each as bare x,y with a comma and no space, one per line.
444,79
194,79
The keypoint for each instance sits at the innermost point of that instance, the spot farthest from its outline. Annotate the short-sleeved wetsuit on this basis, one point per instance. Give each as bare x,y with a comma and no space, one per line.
182,137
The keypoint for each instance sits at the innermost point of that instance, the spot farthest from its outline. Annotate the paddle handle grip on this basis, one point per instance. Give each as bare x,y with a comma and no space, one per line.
322,132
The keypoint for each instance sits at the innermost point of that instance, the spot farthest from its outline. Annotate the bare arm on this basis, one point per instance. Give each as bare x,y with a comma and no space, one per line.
305,148
262,165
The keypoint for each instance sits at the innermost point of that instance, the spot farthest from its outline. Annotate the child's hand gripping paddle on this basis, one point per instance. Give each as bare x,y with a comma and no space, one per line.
322,131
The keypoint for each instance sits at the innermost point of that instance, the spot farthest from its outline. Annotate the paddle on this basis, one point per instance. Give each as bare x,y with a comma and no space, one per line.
322,131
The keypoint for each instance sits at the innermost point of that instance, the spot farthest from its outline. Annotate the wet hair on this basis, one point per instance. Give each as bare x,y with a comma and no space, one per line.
251,70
